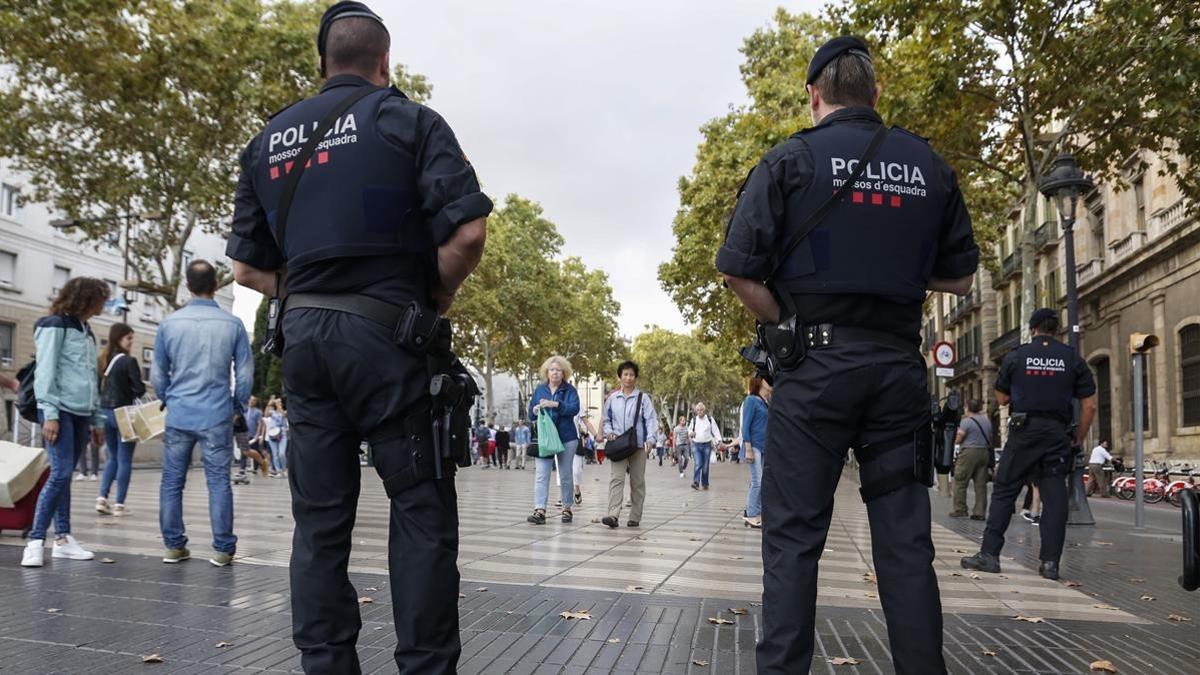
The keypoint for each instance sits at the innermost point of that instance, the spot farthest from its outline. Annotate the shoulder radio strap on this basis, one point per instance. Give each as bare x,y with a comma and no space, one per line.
298,165
815,217
986,436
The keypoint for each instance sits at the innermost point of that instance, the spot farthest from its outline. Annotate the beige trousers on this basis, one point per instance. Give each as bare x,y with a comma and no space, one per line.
636,466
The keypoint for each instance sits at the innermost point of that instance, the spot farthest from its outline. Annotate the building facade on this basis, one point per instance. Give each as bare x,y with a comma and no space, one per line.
37,259
1137,252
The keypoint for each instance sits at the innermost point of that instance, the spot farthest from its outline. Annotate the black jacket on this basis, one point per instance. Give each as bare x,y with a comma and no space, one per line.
122,384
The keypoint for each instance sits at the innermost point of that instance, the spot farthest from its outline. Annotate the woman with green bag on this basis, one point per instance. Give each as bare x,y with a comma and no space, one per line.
553,407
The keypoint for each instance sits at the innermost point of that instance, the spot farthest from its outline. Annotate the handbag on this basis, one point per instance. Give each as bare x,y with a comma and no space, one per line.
143,420
623,446
548,441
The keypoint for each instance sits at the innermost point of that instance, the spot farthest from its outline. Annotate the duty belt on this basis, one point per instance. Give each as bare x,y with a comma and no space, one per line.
412,326
826,334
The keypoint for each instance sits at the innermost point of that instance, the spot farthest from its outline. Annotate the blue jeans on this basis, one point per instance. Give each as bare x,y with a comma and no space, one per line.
55,500
120,458
278,454
541,480
700,451
216,445
754,496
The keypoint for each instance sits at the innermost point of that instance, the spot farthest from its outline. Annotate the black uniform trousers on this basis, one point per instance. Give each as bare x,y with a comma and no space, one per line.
1040,451
841,396
346,380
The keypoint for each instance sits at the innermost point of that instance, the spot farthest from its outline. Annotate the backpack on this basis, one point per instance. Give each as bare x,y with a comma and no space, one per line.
26,399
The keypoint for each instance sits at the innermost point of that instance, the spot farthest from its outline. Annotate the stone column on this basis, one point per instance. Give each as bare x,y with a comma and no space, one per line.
1118,371
1162,399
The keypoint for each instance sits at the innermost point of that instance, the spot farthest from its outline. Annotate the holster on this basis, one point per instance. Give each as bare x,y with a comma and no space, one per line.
402,451
273,343
453,392
783,343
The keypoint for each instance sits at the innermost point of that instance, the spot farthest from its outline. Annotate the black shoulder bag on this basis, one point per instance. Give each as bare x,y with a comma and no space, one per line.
623,446
274,339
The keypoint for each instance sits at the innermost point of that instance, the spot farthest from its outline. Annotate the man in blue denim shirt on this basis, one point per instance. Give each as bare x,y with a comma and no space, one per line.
193,353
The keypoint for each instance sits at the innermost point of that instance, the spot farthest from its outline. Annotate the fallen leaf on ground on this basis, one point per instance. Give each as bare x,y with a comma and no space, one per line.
1030,619
107,523
988,652
370,588
829,550
975,575
53,610
1072,584
956,574
1111,562
1108,607
107,561
1104,666
699,662
1103,543
843,661
869,577
739,611
223,644
582,614
152,658
1178,617
1137,580
694,539
377,628
869,594
279,517
462,595
481,589
1148,598
1010,557
735,557
635,588
961,550
717,621
364,600
613,641
1001,576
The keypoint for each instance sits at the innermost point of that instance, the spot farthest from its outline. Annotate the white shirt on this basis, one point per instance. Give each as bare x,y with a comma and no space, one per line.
705,430
1099,455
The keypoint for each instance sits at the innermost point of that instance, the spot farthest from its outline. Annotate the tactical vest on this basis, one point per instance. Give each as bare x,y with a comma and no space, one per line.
882,238
1044,378
358,194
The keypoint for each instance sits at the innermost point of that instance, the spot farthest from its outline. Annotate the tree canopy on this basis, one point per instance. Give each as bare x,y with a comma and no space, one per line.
123,107
680,370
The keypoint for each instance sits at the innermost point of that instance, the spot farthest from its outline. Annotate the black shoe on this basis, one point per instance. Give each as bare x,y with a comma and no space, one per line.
632,523
983,562
610,521
695,486
1048,570
1037,519
567,516
705,487
958,514
538,517
978,517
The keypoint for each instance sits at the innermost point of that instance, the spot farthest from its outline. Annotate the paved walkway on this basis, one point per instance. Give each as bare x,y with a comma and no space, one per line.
650,591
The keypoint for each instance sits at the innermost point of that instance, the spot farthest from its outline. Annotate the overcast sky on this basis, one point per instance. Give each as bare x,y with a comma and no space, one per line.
591,108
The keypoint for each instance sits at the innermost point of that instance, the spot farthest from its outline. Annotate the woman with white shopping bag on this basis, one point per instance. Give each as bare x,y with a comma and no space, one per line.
120,385
66,385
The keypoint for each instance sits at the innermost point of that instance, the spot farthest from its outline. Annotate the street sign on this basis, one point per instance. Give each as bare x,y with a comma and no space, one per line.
943,359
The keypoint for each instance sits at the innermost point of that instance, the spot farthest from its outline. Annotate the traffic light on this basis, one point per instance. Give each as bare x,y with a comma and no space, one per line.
1140,343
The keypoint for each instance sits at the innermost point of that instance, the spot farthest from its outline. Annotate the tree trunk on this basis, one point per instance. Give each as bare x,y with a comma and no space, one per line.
489,368
1028,259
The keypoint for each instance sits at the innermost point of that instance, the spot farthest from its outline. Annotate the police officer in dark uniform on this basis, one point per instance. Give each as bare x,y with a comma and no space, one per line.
842,315
384,224
1038,381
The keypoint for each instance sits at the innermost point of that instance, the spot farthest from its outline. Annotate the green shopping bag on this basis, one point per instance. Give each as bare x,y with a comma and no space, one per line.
548,441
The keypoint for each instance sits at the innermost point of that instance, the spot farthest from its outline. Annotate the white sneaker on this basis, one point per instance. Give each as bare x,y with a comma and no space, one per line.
35,553
80,476
119,510
102,506
71,550
93,478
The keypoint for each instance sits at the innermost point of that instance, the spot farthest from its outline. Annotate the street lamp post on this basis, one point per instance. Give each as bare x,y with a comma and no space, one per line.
68,223
1065,184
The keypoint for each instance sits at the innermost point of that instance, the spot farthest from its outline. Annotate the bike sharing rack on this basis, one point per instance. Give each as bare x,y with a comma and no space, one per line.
1190,579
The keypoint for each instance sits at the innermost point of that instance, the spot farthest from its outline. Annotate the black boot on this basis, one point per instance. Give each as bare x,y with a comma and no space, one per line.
538,517
1049,569
984,562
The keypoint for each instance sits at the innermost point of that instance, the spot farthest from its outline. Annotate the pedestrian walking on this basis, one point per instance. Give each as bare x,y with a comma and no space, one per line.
276,423
483,442
503,441
660,446
521,438
194,351
851,266
381,230
1038,381
66,385
84,470
1096,461
705,436
556,397
624,409
584,428
974,462
120,386
255,452
683,444
754,443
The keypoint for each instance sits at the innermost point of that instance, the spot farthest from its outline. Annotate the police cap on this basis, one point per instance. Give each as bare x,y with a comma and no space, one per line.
833,49
1041,315
342,10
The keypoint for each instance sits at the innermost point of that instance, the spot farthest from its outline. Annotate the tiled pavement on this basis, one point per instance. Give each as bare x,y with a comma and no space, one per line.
691,560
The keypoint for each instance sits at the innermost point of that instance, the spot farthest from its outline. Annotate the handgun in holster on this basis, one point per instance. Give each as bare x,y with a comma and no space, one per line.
453,392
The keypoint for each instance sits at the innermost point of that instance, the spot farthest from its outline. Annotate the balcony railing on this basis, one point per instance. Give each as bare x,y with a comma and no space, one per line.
1045,237
1012,264
1089,270
1005,343
1164,220
964,306
1126,247
966,364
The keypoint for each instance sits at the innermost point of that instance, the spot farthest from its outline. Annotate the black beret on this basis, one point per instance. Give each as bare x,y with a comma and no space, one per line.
342,10
1041,315
831,50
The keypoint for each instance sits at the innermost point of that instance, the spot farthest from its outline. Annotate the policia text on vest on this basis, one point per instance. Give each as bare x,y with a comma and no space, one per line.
383,222
848,297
